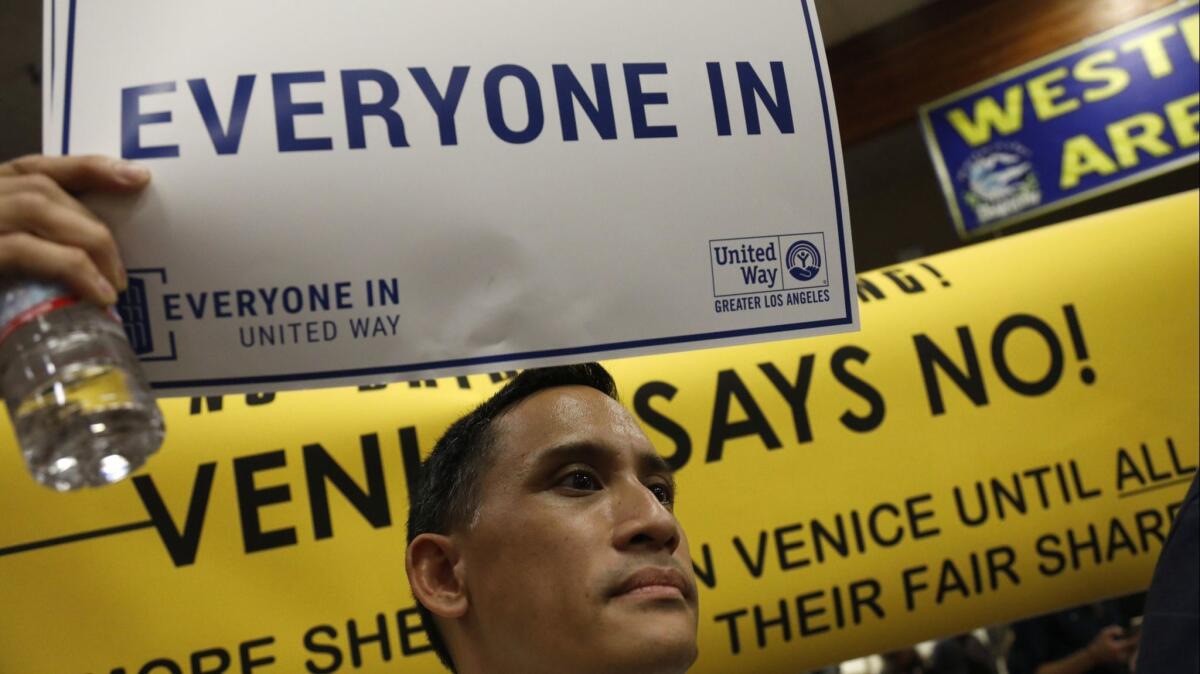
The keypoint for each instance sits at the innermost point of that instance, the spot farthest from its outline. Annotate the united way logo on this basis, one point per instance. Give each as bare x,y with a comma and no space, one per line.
803,260
766,264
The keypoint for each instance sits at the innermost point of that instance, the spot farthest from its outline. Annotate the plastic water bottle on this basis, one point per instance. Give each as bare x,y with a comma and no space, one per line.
79,403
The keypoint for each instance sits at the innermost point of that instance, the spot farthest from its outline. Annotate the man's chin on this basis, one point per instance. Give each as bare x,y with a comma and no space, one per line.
661,635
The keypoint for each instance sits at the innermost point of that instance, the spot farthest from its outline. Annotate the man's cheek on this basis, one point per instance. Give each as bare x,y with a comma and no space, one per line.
684,552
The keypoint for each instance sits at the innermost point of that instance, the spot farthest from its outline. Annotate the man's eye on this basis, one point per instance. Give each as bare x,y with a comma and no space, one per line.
581,480
663,493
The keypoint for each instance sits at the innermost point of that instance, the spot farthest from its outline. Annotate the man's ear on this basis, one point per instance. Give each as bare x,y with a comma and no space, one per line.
434,574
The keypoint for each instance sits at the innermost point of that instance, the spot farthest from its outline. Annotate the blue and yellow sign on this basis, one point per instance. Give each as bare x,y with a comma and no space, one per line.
1117,108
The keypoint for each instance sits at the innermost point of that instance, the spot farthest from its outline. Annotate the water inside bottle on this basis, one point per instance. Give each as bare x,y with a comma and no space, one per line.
86,428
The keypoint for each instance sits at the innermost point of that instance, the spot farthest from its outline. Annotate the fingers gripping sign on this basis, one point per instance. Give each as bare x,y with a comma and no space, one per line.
47,234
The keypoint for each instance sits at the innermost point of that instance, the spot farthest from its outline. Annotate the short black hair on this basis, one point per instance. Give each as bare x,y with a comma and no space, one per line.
446,491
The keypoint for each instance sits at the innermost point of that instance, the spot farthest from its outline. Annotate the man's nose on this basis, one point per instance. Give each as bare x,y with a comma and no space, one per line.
643,522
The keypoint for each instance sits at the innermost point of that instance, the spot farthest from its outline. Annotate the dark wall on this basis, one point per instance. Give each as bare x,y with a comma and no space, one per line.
20,77
897,211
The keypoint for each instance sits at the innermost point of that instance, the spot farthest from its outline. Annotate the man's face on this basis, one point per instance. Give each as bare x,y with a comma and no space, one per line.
575,561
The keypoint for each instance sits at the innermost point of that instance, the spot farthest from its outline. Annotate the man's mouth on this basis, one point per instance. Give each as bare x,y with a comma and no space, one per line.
655,583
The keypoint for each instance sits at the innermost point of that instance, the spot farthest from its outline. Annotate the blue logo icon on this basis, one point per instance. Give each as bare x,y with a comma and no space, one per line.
134,309
135,313
803,261
1000,181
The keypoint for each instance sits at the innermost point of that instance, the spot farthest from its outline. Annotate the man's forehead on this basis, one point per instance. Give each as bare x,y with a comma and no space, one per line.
567,414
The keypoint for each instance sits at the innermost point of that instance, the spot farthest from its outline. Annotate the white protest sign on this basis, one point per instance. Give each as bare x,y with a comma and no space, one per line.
385,190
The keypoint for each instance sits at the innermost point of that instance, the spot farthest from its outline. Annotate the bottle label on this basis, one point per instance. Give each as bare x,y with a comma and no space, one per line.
24,301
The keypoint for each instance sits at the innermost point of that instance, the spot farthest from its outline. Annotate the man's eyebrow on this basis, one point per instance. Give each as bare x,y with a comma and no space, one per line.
647,462
654,464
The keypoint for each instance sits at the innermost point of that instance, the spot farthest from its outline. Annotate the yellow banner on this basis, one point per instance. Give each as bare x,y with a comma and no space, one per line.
1009,434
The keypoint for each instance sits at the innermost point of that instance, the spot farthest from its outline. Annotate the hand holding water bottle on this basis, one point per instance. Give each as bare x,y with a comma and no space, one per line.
46,234
80,406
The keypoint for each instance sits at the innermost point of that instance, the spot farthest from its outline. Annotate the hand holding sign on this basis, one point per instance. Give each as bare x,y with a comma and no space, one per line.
1112,646
45,233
